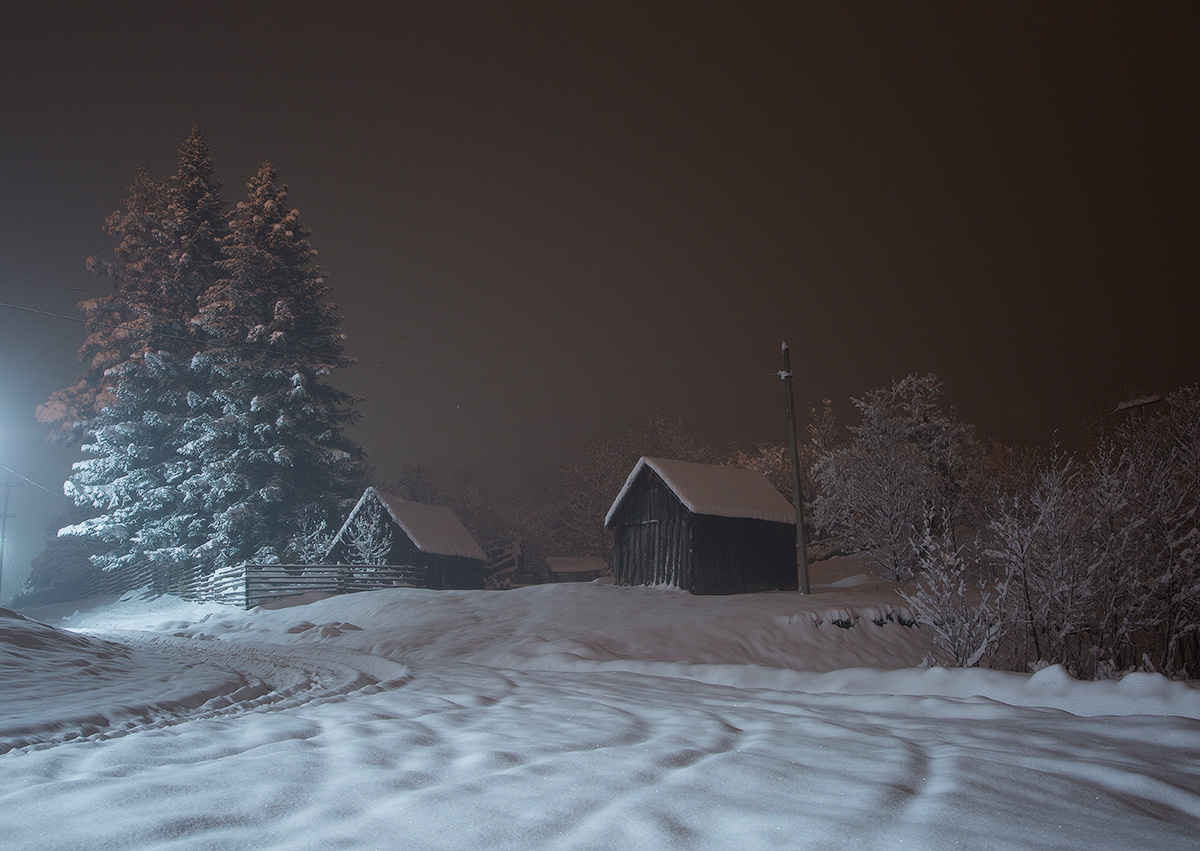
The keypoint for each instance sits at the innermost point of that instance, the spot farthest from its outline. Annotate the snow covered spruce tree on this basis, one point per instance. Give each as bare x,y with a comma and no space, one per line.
212,349
115,331
267,443
130,405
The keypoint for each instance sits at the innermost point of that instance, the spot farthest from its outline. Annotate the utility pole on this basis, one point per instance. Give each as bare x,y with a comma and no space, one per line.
8,486
798,498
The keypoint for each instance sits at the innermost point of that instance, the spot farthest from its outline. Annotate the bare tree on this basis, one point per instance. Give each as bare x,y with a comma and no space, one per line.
909,463
963,611
587,488
369,536
313,537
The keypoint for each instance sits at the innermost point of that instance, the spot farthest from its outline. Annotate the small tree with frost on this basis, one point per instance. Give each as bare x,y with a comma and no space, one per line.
588,487
313,537
369,536
963,612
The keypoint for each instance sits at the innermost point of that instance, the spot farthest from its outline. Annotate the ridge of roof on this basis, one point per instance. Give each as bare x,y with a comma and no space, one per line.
713,490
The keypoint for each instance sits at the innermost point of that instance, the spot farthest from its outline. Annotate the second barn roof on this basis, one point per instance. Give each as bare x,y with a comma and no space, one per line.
714,490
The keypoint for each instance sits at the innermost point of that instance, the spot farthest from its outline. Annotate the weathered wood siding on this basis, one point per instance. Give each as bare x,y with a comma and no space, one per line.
653,536
268,582
658,541
454,572
443,572
742,556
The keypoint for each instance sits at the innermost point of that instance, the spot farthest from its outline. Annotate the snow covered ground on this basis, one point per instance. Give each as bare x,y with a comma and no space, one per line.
570,716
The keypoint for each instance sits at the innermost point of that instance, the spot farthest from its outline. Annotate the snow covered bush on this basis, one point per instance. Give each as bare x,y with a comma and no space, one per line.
1099,555
1036,543
1086,561
1162,464
963,612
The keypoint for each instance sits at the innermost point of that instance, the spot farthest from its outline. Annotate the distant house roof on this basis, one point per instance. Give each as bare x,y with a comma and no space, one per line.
431,528
713,490
576,564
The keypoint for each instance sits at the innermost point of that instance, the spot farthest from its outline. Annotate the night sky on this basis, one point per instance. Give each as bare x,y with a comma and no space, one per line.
546,220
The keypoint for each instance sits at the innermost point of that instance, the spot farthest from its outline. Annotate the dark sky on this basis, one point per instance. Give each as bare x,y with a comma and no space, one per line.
544,220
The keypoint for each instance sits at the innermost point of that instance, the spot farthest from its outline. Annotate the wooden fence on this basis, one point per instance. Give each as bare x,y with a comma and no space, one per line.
269,582
249,586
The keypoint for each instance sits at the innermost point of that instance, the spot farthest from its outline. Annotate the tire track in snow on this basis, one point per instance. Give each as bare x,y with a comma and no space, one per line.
269,677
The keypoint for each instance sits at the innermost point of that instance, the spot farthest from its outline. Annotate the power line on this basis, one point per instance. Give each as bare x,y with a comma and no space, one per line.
422,337
48,284
264,350
455,342
35,484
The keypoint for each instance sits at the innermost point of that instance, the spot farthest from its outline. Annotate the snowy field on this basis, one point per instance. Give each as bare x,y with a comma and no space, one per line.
575,717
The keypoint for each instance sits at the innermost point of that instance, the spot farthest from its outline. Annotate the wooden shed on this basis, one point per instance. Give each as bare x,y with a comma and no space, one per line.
426,537
704,528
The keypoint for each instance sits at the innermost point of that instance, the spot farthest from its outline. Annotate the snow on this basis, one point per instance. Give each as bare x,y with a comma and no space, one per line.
578,716
713,490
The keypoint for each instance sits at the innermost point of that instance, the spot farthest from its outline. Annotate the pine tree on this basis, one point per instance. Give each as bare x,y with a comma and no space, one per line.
268,442
132,402
205,408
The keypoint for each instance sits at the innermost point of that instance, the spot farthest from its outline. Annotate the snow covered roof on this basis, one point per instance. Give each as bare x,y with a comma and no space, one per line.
715,491
576,564
432,528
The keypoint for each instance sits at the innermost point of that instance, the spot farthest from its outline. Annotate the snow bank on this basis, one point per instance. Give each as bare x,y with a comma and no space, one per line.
852,636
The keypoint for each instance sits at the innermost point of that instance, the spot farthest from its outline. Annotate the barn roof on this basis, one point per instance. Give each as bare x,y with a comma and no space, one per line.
715,491
431,528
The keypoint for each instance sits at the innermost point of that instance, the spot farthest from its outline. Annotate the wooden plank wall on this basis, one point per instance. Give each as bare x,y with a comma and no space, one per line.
268,582
741,556
653,536
451,572
441,571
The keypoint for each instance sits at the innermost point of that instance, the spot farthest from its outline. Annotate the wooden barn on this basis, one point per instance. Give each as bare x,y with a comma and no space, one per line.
704,528
426,537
